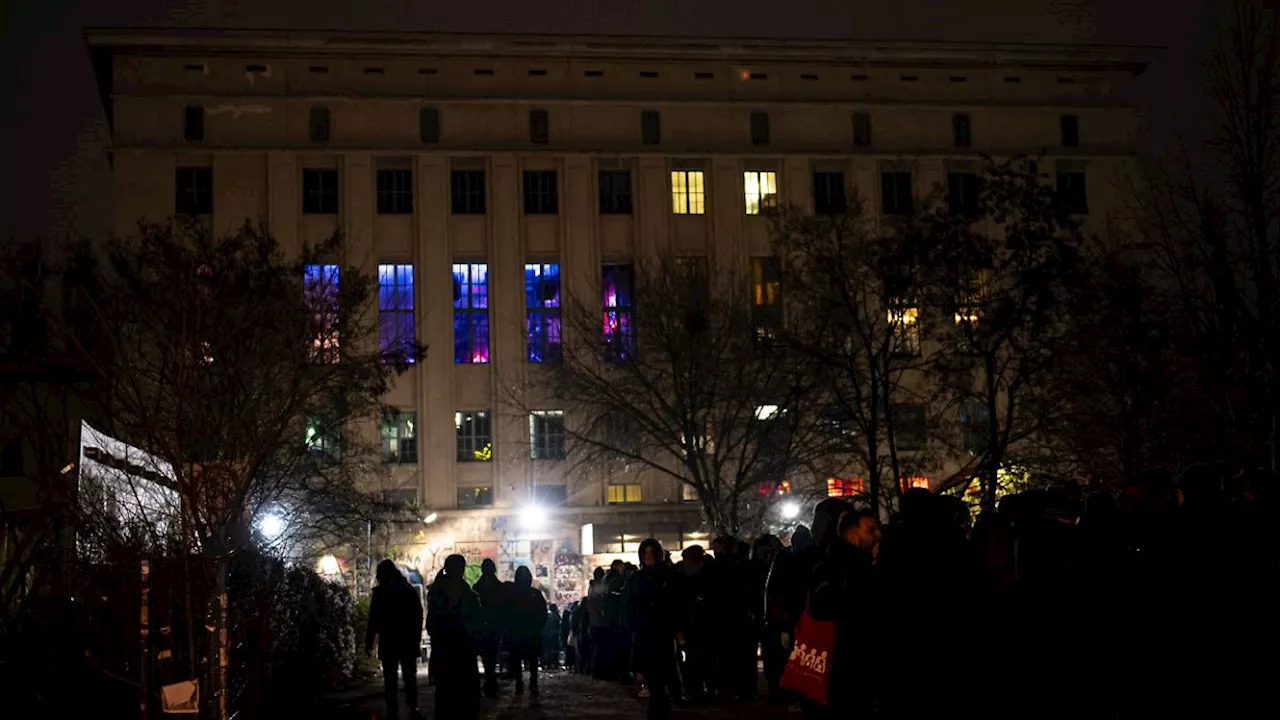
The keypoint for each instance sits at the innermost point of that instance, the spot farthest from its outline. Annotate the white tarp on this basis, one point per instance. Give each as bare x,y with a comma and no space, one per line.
128,485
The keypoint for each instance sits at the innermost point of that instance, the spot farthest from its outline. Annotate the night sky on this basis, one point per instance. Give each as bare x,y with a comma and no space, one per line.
52,131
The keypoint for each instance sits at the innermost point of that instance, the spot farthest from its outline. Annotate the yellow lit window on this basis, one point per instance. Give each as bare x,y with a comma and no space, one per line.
629,493
761,190
905,320
969,299
687,193
688,493
915,482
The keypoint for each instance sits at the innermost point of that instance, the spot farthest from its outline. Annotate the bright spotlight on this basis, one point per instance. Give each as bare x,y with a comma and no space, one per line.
790,510
431,517
328,565
271,526
533,517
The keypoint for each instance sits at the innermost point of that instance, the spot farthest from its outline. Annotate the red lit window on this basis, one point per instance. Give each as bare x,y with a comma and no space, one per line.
914,482
848,487
767,488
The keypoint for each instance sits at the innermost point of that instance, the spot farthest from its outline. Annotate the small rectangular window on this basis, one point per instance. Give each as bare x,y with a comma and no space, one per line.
373,71
766,295
194,191
255,68
395,313
757,76
319,124
961,131
861,129
615,192
829,193
318,69
845,487
760,190
909,426
904,319
617,282
962,193
895,193
470,497
193,123
429,125
703,76
320,294
467,191
808,76
1073,196
400,438
470,313
550,495
909,78
1070,131
648,74
593,73
323,436
475,436
482,71
539,127
319,191
546,435
542,312
193,67
537,73
759,128
541,196
687,192
426,71
395,192
650,127
627,493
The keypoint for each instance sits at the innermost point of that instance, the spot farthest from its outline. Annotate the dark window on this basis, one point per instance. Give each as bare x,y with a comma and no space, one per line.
429,125
759,128
974,427
539,127
550,495
475,497
540,194
475,439
194,194
909,427
1072,196
703,76
320,192
542,311
537,73
318,69
828,193
395,312
617,283
1070,131
895,193
319,124
373,71
11,458
470,313
648,74
546,435
962,192
193,123
395,192
650,127
400,437
615,192
766,295
861,129
758,76
593,73
961,130
403,498
468,192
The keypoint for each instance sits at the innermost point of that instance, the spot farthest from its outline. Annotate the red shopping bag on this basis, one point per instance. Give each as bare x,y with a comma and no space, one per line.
808,669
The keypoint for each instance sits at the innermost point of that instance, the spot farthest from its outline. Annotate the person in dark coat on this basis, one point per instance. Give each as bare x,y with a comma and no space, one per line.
551,638
582,629
395,619
694,573
566,629
655,618
527,614
454,623
490,590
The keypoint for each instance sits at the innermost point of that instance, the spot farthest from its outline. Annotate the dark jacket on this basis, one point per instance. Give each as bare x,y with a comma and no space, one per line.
845,588
395,618
526,608
453,621
654,610
490,591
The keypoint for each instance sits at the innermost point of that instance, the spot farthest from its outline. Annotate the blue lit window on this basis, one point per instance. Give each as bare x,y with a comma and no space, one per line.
470,313
395,312
542,311
320,288
616,285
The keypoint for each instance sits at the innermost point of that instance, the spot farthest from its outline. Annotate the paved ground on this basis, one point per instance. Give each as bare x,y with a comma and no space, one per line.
564,697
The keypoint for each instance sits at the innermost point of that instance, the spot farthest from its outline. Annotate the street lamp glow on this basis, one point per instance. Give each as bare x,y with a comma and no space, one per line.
328,565
271,526
533,517
431,517
790,510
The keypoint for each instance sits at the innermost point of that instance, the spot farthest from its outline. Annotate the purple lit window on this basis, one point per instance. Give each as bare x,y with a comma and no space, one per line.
395,312
320,292
542,311
470,313
616,285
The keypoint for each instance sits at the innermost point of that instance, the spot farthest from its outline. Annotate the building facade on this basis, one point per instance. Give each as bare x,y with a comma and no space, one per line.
483,178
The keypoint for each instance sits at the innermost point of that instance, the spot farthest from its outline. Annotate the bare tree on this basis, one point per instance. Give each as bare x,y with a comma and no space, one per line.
668,374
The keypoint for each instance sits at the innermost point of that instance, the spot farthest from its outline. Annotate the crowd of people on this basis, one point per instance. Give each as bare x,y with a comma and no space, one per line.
1158,601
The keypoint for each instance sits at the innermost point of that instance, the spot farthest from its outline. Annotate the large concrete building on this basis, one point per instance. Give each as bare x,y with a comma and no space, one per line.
520,166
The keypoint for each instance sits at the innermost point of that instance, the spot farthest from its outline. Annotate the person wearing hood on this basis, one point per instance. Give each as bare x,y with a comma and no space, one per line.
551,638
527,615
655,617
454,623
395,619
491,591
694,576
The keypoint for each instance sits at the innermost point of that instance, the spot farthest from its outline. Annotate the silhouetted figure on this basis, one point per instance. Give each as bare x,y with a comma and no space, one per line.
694,581
491,591
527,610
737,604
454,622
598,623
551,638
582,628
568,637
655,617
773,563
395,619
